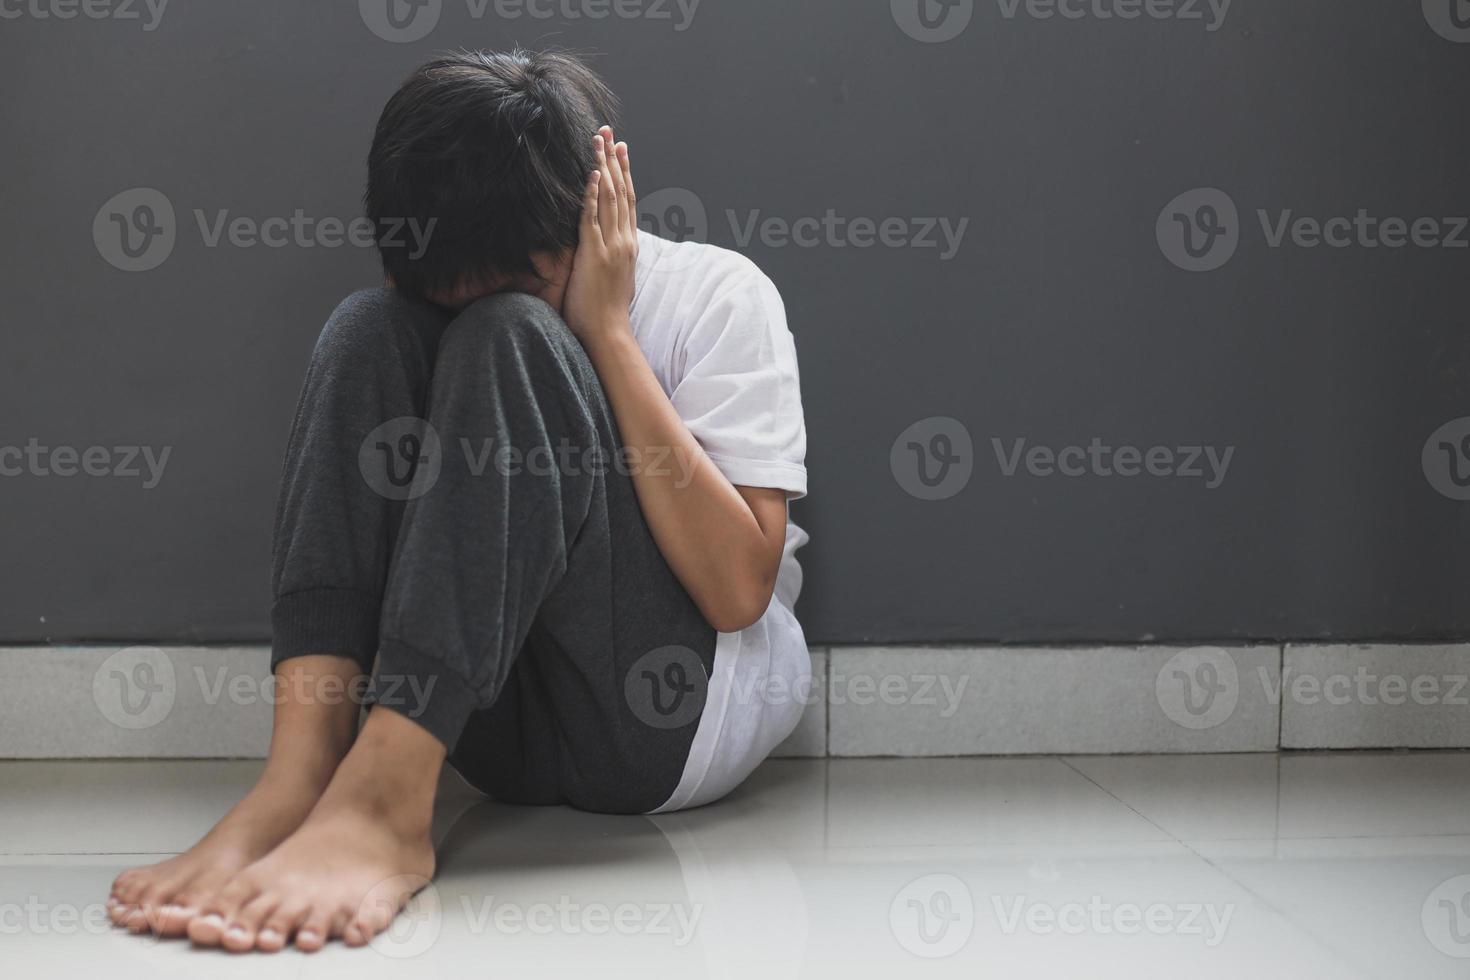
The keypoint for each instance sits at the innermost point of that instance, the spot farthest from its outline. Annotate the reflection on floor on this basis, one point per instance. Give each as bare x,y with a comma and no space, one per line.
1353,865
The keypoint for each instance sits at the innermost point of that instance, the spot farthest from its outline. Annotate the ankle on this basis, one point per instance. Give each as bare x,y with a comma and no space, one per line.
305,762
284,780
391,774
403,807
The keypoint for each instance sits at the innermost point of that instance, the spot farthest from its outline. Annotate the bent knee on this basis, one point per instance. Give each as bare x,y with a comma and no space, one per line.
511,307
508,327
512,317
373,321
374,305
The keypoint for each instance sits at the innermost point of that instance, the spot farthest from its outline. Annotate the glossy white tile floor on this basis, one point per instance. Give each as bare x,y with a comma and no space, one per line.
1335,866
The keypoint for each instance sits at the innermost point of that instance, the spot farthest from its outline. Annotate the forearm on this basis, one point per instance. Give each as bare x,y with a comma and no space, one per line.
706,530
723,542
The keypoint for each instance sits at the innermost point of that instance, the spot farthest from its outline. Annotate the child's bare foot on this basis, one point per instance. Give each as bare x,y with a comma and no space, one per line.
353,865
311,735
163,897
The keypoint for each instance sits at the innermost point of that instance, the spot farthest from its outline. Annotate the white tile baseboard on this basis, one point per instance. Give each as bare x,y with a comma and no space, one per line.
98,702
214,702
1375,696
928,701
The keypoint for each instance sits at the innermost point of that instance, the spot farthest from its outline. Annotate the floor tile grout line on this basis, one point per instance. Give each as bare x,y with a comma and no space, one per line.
1285,916
827,707
827,750
1281,913
1280,699
1276,813
1066,761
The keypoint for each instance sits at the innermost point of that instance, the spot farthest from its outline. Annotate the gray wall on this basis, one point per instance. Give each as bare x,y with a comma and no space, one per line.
1063,317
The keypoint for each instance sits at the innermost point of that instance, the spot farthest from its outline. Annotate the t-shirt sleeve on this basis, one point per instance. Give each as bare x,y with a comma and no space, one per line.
740,394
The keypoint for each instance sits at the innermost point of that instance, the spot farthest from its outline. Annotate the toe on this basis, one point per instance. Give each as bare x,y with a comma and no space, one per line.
151,906
140,921
185,902
242,928
360,923
383,903
125,880
315,929
208,928
128,887
374,920
174,918
135,919
118,911
237,939
142,913
281,924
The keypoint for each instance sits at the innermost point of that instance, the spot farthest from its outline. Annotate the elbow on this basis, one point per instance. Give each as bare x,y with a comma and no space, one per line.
740,606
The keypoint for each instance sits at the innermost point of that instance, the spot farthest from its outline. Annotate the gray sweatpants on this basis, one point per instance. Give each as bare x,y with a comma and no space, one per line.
455,505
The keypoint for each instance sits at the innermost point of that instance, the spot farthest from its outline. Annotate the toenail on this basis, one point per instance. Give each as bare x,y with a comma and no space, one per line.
238,932
269,934
213,919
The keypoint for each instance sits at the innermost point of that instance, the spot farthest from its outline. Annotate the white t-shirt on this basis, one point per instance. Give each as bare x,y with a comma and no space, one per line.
714,331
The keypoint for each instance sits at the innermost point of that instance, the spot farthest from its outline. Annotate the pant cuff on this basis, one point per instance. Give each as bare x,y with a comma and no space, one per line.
424,691
339,622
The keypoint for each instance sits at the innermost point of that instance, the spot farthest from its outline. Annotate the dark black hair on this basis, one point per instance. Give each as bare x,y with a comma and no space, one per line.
496,149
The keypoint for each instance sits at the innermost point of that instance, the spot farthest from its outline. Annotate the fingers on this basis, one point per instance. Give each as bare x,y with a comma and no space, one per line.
621,170
591,230
631,195
610,206
615,167
608,217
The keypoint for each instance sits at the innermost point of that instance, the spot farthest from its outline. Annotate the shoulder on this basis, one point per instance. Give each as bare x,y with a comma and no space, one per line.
705,275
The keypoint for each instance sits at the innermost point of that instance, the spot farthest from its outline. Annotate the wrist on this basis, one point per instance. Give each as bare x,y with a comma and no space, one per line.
614,335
